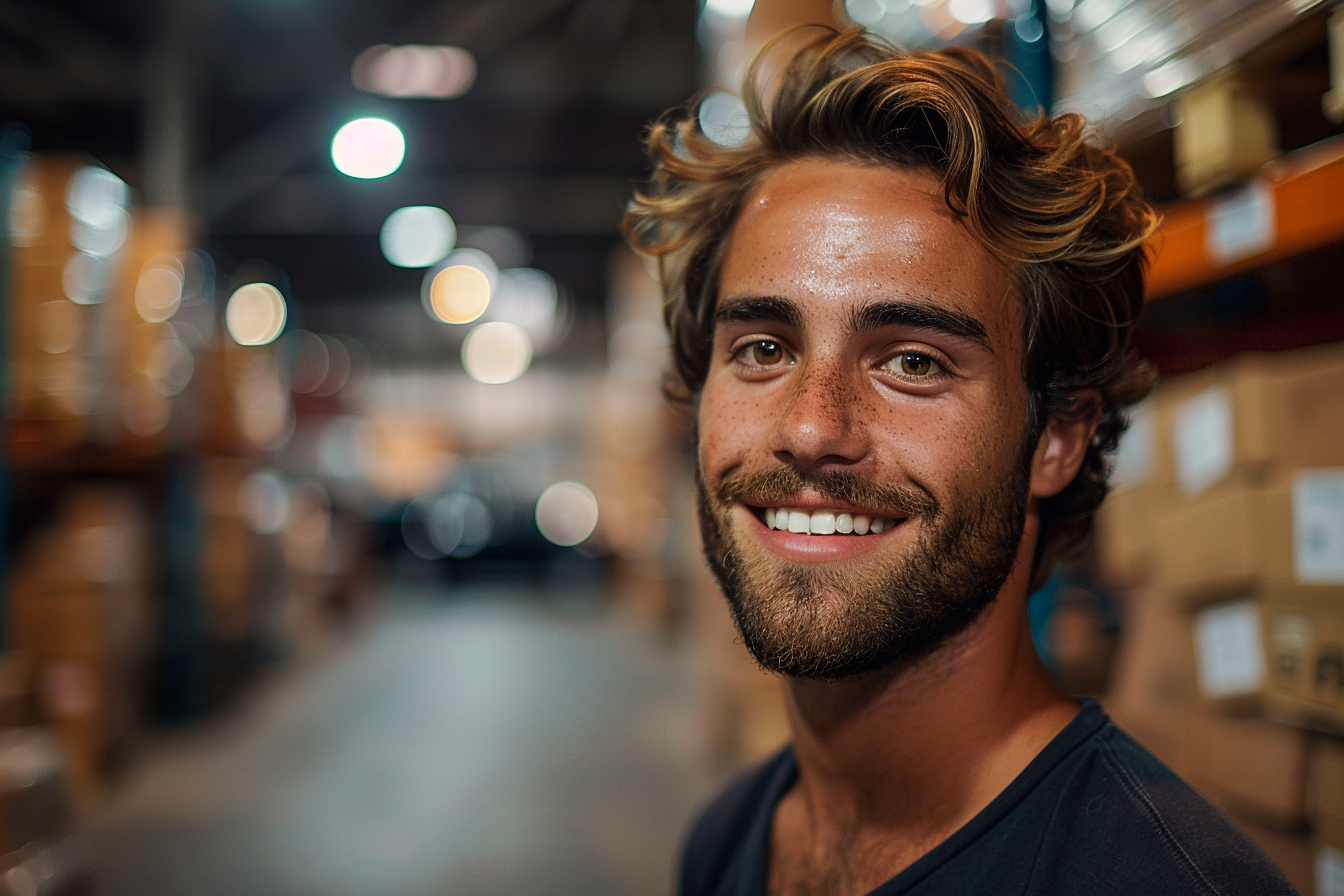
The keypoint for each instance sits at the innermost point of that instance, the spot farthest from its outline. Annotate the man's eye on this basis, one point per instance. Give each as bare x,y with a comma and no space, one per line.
765,353
914,364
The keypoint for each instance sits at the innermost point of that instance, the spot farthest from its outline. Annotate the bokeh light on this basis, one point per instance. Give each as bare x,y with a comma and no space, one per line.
731,9
95,196
529,298
414,71
255,314
171,367
567,513
310,362
368,148
459,294
723,118
496,352
417,236
459,525
85,277
263,501
158,291
96,199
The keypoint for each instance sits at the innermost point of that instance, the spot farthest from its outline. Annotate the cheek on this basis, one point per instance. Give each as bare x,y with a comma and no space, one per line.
729,423
953,447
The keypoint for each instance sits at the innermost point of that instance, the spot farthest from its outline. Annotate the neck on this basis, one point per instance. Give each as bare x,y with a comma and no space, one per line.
918,749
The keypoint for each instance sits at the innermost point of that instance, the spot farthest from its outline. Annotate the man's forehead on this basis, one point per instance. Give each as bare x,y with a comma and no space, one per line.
832,237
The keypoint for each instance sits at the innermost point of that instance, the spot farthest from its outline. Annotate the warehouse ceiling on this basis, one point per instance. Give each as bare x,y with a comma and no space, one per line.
249,93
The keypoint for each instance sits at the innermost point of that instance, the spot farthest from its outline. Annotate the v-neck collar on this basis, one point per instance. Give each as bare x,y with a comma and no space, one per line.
755,852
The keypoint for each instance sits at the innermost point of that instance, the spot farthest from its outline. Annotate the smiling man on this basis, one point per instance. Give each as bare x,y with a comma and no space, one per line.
902,316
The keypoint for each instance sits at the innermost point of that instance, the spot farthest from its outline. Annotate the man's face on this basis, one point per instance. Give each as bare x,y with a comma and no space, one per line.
866,374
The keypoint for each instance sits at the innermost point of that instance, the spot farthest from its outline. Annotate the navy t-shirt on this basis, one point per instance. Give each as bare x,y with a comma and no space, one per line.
1093,813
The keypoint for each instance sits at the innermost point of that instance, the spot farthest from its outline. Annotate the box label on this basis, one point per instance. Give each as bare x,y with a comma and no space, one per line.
1241,224
1329,872
1318,527
1202,438
1231,659
1133,462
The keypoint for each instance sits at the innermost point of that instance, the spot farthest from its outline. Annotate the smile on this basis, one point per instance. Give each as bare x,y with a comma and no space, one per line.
825,522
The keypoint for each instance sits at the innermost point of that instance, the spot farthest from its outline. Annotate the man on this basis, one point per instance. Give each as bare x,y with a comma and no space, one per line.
902,318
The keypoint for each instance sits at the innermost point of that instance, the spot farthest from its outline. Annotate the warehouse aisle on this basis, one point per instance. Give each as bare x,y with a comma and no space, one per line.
483,746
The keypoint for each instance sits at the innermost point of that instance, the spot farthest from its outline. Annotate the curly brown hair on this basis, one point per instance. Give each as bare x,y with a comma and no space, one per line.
1064,214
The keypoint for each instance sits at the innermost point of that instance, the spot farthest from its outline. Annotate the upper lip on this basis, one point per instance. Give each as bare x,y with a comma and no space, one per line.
812,502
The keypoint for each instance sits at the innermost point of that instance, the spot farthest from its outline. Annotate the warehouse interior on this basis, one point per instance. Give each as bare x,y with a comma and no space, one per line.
350,545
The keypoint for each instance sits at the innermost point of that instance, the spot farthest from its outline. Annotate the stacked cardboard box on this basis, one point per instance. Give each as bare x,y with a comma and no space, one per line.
79,624
1231,525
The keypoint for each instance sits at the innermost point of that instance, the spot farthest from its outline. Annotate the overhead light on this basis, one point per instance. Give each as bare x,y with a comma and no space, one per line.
414,71
459,294
567,513
971,12
496,352
417,236
255,314
368,148
724,119
730,9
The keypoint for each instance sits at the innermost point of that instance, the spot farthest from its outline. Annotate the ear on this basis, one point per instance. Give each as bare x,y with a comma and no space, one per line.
1061,449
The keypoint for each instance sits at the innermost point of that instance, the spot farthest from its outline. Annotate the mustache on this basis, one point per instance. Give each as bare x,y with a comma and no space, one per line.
784,482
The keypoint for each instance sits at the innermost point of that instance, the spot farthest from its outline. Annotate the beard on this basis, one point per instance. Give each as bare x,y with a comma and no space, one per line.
830,621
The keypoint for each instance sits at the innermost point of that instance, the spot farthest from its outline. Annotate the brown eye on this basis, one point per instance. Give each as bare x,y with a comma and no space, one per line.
914,364
766,354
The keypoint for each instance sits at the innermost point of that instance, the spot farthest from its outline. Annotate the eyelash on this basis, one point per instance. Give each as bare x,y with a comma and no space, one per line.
739,354
938,372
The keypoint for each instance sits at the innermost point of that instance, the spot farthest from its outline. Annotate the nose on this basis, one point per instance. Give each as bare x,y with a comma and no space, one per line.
820,422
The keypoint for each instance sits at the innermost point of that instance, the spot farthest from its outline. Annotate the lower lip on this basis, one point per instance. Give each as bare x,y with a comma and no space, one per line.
820,548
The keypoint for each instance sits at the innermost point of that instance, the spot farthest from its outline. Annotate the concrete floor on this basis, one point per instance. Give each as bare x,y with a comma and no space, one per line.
483,746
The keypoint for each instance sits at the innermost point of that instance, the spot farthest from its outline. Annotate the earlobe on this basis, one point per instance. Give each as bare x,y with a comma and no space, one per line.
1059,454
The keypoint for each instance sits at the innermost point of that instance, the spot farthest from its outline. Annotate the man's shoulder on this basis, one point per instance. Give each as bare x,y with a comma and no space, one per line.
716,836
1124,820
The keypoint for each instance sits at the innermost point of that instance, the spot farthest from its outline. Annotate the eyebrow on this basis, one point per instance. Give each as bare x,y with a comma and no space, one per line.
760,308
920,316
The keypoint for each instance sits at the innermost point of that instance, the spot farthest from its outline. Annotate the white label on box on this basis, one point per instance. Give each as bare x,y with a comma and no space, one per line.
1241,223
1202,438
1318,527
1133,462
1231,659
1329,872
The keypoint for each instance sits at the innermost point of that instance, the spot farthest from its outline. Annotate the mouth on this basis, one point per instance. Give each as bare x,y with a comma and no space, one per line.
824,521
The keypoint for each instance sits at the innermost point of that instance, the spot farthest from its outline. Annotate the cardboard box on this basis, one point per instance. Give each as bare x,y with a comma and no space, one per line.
1293,851
1154,687
1247,415
1304,639
1227,131
1126,549
1244,763
1254,768
1327,777
1240,535
1230,653
1329,855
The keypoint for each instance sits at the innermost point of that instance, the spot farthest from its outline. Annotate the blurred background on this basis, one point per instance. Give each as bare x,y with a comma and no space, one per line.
348,545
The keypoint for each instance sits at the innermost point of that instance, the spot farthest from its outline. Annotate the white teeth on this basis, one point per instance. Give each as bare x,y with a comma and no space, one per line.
824,522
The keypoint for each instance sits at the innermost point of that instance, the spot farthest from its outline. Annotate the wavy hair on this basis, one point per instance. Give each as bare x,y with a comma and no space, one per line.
1066,216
